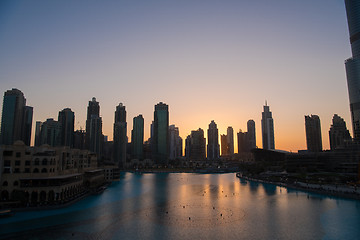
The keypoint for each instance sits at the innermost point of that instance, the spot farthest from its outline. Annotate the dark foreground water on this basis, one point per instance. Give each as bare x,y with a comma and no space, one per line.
191,206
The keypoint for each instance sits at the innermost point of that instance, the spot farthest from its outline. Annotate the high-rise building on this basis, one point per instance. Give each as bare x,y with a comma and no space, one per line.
251,134
27,125
175,143
267,126
187,147
230,139
213,147
94,137
16,121
197,143
137,138
37,133
224,145
93,111
161,134
120,136
67,120
50,133
93,108
79,139
243,144
313,133
339,135
353,64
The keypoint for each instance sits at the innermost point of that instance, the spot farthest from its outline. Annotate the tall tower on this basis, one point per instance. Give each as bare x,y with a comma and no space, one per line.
16,118
339,135
137,138
313,133
120,136
353,64
242,142
251,134
197,144
213,147
27,125
161,133
230,139
224,145
50,133
94,137
37,134
175,143
267,126
67,120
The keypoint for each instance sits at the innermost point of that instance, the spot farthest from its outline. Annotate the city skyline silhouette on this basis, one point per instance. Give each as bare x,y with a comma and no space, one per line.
207,61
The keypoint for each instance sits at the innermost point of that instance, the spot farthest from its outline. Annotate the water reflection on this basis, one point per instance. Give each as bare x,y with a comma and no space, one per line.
270,189
184,206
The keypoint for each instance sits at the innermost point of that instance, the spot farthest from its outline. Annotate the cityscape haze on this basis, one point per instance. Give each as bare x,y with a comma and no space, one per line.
185,54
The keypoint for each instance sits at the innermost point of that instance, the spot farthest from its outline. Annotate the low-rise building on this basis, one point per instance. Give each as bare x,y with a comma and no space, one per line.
32,176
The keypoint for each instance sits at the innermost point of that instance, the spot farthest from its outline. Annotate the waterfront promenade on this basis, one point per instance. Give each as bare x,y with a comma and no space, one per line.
344,191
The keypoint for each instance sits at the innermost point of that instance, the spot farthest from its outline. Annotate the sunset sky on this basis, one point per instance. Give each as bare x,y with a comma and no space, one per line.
208,60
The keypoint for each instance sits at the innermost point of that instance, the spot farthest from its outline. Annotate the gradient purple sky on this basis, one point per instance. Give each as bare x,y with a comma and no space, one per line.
208,60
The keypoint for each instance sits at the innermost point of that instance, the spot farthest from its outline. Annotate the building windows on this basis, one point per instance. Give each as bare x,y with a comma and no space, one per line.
17,170
17,163
18,154
37,162
7,153
7,163
44,161
27,170
27,163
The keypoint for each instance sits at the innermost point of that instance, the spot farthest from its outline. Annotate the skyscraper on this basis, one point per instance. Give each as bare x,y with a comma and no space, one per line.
197,144
251,134
187,147
120,136
16,118
79,139
37,133
243,144
50,133
161,134
94,136
137,138
339,135
353,64
267,126
224,145
175,143
27,125
213,147
93,111
230,139
313,133
67,120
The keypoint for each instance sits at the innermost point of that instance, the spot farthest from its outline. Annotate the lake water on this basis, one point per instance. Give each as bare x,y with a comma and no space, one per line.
185,206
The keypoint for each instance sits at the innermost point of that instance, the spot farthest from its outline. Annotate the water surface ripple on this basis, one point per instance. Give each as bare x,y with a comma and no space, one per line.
186,205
